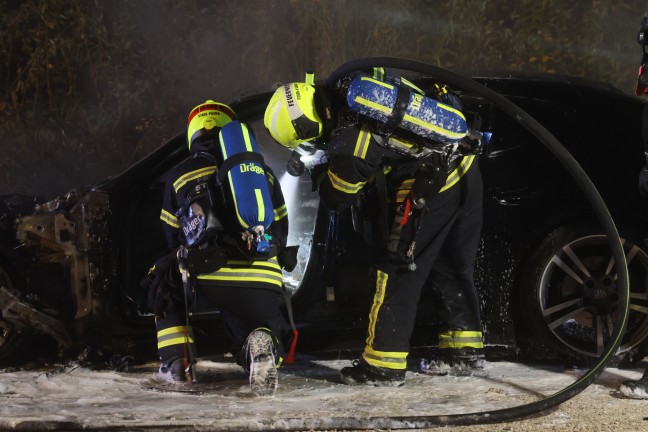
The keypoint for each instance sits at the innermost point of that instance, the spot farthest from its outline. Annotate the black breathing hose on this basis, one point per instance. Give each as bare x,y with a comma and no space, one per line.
601,211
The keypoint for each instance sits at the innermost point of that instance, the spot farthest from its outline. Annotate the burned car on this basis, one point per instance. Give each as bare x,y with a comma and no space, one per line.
70,268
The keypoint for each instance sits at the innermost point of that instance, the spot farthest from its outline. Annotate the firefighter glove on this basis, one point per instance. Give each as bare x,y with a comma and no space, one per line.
161,281
288,258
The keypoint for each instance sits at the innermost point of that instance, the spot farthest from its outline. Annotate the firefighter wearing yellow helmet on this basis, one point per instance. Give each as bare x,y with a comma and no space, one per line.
638,389
291,116
206,120
385,135
247,289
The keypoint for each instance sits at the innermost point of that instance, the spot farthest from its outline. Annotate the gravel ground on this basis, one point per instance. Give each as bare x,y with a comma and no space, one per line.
309,397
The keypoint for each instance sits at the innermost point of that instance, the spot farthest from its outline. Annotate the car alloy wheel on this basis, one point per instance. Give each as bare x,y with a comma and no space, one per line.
578,295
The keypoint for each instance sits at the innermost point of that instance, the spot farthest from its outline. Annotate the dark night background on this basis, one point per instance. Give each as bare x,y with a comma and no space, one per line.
89,87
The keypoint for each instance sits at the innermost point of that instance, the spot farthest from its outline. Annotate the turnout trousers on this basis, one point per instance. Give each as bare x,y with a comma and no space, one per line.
248,296
445,249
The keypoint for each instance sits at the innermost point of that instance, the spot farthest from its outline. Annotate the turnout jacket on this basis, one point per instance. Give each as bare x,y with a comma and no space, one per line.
355,159
436,244
260,273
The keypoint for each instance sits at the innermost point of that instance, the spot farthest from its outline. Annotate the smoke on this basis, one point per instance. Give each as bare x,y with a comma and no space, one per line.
168,56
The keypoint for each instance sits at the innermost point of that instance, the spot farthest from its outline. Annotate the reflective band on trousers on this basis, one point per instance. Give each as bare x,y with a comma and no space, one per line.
379,298
256,271
173,336
385,359
461,339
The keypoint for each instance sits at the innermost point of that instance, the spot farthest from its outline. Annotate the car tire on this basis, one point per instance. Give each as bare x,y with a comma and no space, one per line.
13,341
568,297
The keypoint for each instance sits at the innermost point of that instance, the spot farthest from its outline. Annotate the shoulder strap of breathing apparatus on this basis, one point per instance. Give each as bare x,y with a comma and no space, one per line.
201,227
197,215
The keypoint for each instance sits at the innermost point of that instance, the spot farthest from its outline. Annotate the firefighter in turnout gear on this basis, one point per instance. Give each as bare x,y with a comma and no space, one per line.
417,155
212,264
638,389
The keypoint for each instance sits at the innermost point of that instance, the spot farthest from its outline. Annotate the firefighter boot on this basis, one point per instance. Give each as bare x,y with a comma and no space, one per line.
259,355
456,365
363,373
636,389
173,370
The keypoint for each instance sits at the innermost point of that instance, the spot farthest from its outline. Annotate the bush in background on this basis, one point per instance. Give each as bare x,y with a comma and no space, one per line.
90,87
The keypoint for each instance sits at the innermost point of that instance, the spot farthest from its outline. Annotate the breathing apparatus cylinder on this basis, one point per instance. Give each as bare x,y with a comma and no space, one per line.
399,107
243,169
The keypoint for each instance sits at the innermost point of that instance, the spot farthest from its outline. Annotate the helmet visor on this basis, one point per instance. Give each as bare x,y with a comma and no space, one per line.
305,128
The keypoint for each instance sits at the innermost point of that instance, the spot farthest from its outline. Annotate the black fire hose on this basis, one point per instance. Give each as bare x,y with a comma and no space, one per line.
602,213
